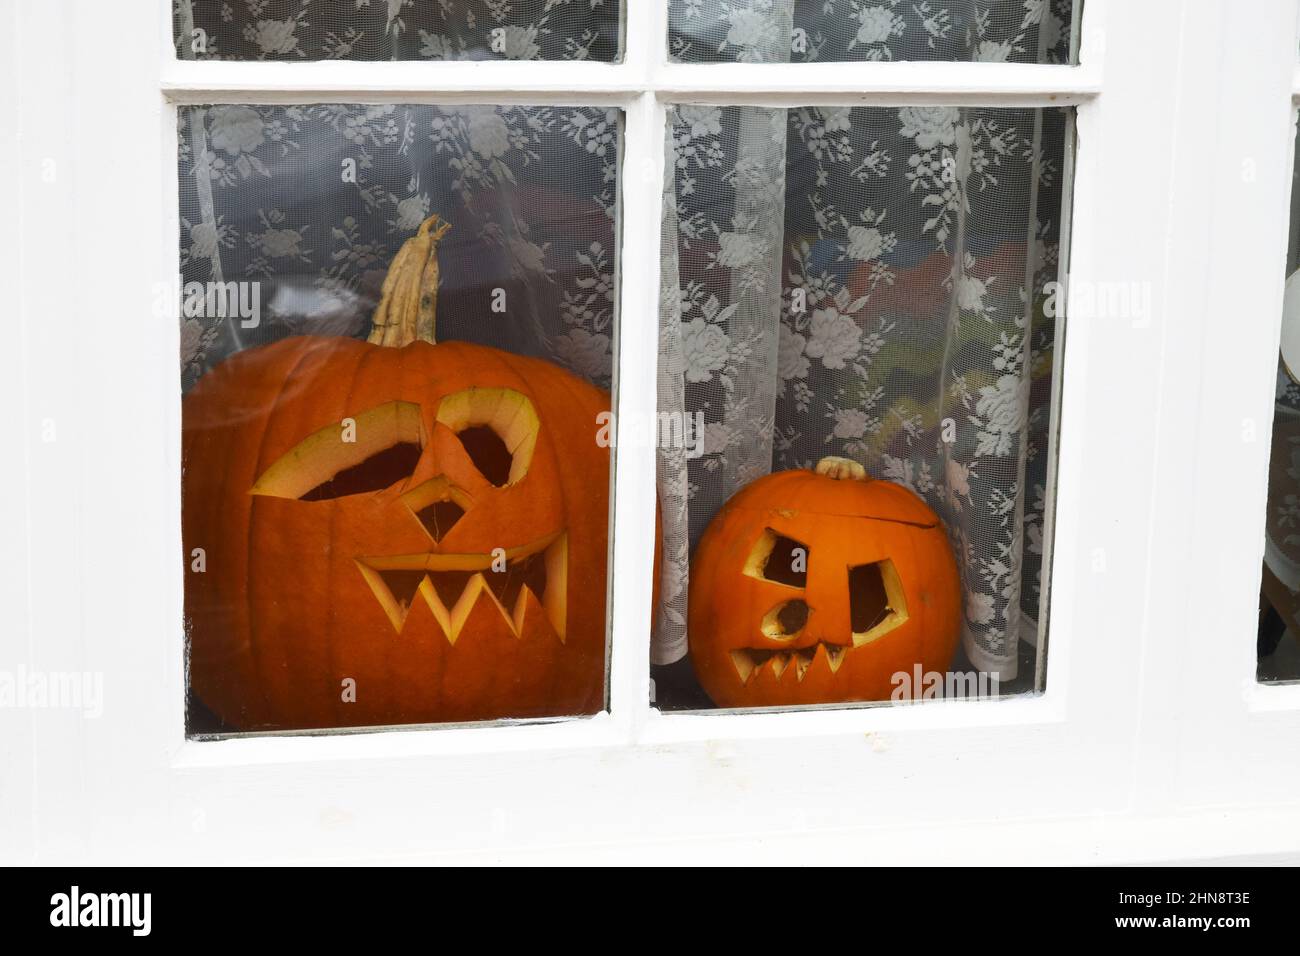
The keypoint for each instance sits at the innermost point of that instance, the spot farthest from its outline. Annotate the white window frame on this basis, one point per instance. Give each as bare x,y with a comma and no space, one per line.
1153,740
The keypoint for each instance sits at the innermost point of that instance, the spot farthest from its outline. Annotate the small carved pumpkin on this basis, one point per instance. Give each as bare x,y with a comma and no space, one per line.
394,531
818,586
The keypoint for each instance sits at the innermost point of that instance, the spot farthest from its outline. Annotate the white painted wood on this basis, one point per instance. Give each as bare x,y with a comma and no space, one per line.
637,343
1152,742
876,83
333,81
999,84
19,172
1235,747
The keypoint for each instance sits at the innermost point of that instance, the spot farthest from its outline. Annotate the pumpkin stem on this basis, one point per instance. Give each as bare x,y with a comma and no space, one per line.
833,466
408,305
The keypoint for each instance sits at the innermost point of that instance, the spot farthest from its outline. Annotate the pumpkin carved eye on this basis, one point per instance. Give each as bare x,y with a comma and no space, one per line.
376,473
388,442
498,428
876,603
777,558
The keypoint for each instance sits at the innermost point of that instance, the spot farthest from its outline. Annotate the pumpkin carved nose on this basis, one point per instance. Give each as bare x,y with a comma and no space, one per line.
786,621
439,517
437,504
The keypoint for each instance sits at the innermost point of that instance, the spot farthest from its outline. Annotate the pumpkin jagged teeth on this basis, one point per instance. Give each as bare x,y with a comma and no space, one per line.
750,661
760,660
779,663
803,659
744,664
539,570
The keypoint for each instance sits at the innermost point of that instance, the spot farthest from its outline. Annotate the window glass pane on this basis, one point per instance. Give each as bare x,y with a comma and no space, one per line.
398,30
809,31
1279,600
379,530
863,293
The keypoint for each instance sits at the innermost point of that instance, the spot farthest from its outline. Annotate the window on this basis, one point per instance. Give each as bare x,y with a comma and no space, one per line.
347,30
349,566
1144,735
872,284
1279,637
396,359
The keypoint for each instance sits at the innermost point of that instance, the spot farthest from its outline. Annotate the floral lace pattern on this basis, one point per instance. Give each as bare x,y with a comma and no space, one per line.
863,282
1282,549
987,31
312,202
397,29
882,298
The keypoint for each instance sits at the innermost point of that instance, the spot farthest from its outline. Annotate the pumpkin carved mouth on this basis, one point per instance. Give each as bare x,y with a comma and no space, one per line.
534,581
876,606
750,662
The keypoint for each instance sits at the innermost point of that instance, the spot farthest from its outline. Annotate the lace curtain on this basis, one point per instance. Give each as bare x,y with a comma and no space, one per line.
806,31
867,282
397,29
1277,648
311,203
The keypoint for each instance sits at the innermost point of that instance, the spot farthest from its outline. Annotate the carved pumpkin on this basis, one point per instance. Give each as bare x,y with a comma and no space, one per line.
818,586
395,531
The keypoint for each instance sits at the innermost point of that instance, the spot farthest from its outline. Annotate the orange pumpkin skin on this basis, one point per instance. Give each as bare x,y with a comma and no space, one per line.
286,610
742,655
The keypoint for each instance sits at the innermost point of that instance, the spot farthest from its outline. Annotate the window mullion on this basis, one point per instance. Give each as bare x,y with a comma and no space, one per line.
633,523
878,84
852,84
504,81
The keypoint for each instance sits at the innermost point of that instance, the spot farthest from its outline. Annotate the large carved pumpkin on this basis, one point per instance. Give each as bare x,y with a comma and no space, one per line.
394,531
818,586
